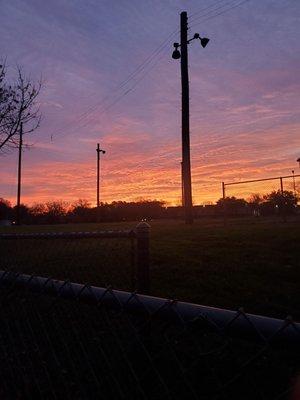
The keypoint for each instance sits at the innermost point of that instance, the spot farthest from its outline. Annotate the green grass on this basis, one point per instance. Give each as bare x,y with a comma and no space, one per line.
254,264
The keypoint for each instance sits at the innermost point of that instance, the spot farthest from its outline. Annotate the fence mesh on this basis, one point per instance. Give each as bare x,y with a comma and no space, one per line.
271,196
246,191
53,348
292,184
82,258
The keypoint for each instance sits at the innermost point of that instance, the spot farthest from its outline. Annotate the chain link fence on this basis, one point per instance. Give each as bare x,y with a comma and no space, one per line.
112,258
62,340
277,196
248,189
292,184
77,341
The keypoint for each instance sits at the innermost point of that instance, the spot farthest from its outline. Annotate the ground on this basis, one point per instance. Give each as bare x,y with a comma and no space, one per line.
254,264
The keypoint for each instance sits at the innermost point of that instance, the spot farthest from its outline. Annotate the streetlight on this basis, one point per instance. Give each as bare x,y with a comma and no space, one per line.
98,150
19,174
185,124
203,41
294,183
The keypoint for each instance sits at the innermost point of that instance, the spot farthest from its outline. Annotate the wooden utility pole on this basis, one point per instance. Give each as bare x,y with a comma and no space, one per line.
98,173
185,121
185,116
19,173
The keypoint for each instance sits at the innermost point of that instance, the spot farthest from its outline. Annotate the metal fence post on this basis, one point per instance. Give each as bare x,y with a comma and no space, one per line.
223,190
143,267
283,205
224,204
281,185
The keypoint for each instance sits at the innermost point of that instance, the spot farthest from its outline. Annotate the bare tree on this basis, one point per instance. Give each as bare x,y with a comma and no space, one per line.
17,105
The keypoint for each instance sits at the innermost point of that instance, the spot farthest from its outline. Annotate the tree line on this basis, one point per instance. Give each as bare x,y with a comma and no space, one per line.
54,212
275,202
59,211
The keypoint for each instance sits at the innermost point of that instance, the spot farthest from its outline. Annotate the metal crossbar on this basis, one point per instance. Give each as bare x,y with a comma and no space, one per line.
71,235
262,180
240,189
232,322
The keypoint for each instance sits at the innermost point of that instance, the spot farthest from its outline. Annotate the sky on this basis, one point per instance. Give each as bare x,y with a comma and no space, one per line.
108,77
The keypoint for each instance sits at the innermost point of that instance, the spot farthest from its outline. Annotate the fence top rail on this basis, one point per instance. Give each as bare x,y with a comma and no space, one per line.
264,179
236,323
70,235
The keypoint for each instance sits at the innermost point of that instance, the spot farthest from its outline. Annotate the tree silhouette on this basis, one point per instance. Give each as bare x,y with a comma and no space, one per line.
231,205
5,209
80,211
56,210
17,105
285,201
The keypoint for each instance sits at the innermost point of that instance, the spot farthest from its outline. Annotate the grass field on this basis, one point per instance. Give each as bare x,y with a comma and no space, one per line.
254,264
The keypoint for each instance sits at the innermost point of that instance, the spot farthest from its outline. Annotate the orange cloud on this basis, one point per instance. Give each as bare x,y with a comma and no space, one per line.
152,172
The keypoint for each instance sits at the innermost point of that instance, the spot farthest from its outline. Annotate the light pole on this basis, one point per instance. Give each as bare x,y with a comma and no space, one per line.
294,183
98,150
19,174
185,117
182,188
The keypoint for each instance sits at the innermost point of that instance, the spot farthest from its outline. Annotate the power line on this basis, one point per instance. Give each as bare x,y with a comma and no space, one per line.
132,76
145,65
206,8
122,84
143,76
139,80
85,116
221,12
150,58
127,80
160,47
116,100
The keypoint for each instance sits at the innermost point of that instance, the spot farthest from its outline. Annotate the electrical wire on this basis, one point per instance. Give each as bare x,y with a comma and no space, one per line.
136,83
127,80
145,65
116,100
206,8
120,86
219,13
210,17
126,90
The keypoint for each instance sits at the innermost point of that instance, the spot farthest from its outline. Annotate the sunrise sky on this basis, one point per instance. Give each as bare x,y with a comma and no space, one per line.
244,92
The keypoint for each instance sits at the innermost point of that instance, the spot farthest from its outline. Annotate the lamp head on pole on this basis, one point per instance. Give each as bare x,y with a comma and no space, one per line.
176,53
204,41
